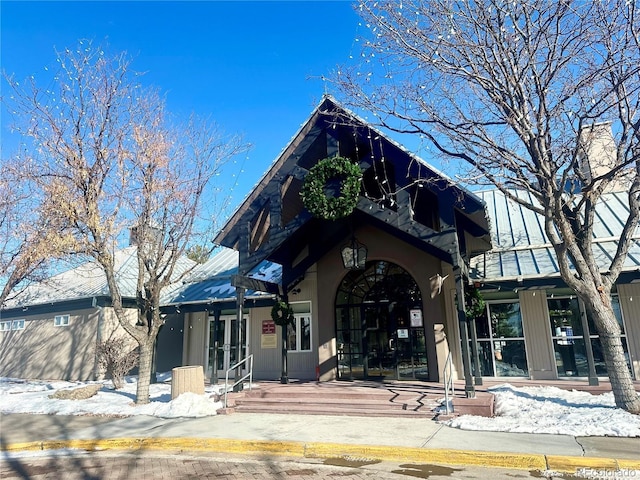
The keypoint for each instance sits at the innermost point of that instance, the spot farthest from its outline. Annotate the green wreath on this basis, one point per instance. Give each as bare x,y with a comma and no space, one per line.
282,313
314,195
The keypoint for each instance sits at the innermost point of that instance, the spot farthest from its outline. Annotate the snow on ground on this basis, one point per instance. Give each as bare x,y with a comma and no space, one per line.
518,409
553,410
20,396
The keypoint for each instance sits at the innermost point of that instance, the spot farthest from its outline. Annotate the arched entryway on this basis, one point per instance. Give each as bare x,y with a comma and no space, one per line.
379,328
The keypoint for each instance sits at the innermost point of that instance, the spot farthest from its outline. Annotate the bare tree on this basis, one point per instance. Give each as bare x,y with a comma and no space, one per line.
29,241
108,158
521,92
198,253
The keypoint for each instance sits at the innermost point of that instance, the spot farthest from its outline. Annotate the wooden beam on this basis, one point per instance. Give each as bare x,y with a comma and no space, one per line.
256,285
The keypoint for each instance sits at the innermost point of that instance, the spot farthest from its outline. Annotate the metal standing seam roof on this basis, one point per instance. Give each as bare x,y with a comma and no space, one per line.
86,281
211,281
521,248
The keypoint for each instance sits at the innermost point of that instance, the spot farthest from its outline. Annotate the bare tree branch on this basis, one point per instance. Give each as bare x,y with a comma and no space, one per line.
531,95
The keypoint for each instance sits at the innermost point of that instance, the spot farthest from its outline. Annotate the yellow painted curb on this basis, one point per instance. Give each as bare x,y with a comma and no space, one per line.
193,444
629,464
423,455
336,450
561,463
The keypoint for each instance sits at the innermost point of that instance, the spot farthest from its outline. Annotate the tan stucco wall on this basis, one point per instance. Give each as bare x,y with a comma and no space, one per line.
44,351
381,246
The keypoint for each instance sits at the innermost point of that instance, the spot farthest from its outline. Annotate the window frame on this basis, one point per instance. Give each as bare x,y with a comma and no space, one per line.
5,325
65,320
21,323
298,317
491,340
588,336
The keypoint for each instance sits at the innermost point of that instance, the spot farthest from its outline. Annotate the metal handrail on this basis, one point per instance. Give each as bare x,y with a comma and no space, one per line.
248,359
448,384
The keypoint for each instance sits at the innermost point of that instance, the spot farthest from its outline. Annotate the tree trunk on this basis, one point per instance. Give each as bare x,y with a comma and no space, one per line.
619,375
144,371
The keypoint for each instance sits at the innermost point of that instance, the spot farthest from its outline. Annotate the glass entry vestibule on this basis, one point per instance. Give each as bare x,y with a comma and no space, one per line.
379,326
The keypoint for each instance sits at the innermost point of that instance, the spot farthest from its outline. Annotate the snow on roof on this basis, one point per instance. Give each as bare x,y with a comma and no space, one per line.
86,281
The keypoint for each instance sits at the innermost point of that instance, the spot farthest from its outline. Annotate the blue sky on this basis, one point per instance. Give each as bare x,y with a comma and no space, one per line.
252,67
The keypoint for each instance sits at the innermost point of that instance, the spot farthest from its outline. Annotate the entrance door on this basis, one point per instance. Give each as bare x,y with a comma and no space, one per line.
379,329
223,350
379,342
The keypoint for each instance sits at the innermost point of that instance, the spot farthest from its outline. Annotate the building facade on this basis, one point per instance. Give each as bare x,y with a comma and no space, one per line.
391,315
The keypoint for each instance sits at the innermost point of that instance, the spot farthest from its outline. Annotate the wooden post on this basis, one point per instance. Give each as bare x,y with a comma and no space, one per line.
187,379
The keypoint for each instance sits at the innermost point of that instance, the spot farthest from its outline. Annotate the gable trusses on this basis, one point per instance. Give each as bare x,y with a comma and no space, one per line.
401,194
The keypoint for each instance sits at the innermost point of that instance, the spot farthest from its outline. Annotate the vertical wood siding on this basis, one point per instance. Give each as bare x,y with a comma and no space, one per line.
537,334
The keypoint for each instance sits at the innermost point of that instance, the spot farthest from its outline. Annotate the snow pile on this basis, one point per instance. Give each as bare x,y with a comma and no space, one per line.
555,411
20,396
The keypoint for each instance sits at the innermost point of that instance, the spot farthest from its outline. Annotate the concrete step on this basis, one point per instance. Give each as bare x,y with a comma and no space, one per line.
333,399
347,394
364,404
330,410
372,399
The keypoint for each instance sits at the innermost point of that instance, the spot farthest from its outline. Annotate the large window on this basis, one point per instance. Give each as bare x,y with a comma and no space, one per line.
299,334
567,332
501,341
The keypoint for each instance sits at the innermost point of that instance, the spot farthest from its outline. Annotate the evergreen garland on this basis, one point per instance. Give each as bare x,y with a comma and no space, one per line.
474,301
314,195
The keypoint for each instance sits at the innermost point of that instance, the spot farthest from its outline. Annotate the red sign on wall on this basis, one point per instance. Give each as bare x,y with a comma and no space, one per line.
268,327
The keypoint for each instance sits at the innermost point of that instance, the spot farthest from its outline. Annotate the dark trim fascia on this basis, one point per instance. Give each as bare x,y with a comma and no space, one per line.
63,307
217,306
54,308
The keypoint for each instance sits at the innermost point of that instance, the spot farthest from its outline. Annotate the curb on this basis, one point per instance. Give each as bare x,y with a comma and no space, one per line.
521,461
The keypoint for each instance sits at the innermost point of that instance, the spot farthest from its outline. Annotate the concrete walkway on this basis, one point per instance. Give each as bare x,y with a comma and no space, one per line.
321,436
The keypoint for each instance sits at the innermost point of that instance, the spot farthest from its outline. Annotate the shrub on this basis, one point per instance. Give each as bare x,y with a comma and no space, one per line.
117,359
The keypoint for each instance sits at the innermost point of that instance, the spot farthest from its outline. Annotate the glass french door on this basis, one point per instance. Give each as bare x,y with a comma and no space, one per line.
223,347
375,333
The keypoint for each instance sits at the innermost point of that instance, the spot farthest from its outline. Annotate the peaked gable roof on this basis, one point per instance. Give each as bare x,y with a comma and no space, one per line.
414,201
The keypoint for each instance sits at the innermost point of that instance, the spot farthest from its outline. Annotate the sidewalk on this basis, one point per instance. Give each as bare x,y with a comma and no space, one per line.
321,436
